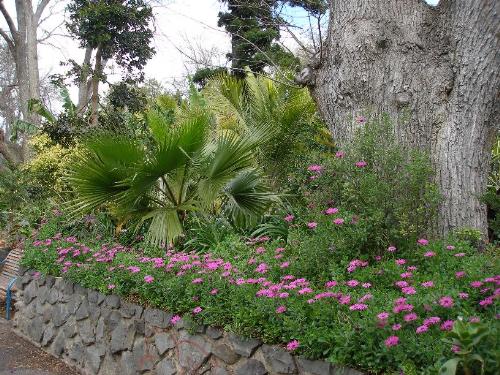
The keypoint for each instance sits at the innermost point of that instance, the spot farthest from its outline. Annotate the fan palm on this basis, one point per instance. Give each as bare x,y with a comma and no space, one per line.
183,170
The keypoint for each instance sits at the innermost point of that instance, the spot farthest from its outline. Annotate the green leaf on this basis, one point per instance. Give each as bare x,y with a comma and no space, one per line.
450,366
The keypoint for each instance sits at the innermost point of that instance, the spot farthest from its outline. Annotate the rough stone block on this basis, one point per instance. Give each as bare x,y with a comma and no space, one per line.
93,358
86,331
122,337
193,351
157,318
130,310
225,353
48,334
251,367
279,360
145,356
243,346
308,367
166,367
214,333
112,301
164,341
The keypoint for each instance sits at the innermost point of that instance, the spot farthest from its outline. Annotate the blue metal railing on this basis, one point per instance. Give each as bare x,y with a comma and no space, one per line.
9,297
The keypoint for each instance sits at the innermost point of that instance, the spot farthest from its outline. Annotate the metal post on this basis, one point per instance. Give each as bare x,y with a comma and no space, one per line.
9,297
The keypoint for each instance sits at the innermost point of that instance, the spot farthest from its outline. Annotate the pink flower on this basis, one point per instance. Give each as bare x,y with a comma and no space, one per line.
463,295
409,290
331,211
305,291
358,307
197,310
361,164
288,218
423,242
383,315
401,283
260,250
134,269
399,308
360,119
447,325
338,221
486,302
366,297
429,254
315,168
446,302
312,225
391,249
148,279
396,327
292,345
411,268
400,262
450,247
427,284
111,286
284,264
279,250
406,275
432,320
330,284
476,284
459,274
459,255
214,292
422,329
345,300
280,309
366,285
410,317
339,154
283,295
198,280
391,341
474,319
175,319
261,268
352,283
455,348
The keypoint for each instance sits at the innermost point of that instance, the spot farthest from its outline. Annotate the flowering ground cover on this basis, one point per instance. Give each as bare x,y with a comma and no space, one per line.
380,313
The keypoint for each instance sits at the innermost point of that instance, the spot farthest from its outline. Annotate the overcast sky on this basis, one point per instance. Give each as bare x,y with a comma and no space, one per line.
177,22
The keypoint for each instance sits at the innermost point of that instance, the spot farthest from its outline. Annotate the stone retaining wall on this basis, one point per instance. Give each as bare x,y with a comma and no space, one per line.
105,335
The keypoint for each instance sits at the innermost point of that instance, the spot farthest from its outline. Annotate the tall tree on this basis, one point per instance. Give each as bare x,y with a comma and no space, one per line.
21,39
435,71
110,29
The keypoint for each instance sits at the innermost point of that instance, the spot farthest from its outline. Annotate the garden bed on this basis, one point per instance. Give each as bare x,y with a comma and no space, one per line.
383,313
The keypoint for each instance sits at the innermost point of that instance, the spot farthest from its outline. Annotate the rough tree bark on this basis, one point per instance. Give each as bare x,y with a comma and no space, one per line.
23,45
435,71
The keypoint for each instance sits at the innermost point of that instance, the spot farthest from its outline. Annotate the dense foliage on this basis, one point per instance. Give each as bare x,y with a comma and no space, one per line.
380,313
181,170
118,29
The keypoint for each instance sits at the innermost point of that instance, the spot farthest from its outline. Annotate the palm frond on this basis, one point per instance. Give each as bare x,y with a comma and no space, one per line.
99,171
165,226
248,198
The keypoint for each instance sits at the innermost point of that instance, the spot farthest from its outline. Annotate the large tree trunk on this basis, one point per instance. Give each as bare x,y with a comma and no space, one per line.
84,82
96,78
435,71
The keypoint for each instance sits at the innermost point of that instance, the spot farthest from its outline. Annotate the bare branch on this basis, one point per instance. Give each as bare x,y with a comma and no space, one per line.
8,19
9,41
40,8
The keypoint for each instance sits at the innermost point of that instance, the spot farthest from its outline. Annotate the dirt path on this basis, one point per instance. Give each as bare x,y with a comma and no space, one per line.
19,357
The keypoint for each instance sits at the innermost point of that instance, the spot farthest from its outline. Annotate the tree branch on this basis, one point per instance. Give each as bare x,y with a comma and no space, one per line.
40,8
9,41
8,19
